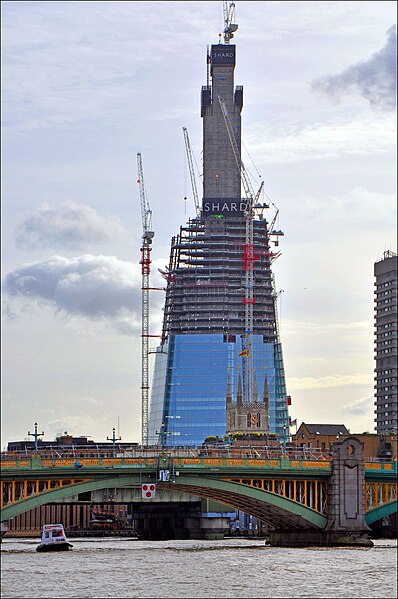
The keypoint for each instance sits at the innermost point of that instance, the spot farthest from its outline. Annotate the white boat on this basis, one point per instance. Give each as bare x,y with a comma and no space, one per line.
53,538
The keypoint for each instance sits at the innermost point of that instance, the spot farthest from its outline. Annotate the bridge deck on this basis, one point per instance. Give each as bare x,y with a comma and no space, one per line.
295,488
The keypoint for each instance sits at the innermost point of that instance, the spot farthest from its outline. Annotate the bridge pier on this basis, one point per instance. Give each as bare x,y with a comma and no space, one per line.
315,538
183,520
346,524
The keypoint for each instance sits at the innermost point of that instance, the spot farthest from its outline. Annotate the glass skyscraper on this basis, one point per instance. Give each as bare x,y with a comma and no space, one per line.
204,334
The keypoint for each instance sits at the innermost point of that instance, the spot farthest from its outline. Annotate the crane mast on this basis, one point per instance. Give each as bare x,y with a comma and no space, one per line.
147,236
249,299
191,171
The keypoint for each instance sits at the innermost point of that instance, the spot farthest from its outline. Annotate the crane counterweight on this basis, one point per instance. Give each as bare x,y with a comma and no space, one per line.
229,26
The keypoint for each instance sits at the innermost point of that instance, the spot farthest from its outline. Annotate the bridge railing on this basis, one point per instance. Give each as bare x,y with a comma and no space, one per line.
384,466
159,461
216,451
225,457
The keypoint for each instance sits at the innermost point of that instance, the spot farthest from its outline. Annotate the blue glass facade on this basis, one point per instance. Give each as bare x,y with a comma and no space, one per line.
190,386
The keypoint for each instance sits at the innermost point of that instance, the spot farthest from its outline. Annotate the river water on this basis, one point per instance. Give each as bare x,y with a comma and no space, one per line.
128,568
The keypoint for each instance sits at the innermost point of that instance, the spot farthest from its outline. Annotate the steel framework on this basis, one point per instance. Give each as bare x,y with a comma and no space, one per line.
145,262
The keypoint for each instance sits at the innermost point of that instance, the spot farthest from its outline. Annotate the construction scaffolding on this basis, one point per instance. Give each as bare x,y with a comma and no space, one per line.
206,279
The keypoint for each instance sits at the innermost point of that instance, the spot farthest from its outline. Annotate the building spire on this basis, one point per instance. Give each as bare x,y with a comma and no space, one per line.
266,390
239,396
255,387
229,391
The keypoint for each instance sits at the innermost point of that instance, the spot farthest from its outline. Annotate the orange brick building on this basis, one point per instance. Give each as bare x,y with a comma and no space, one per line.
322,436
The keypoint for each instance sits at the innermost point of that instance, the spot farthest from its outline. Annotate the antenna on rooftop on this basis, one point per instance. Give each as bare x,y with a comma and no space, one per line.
229,17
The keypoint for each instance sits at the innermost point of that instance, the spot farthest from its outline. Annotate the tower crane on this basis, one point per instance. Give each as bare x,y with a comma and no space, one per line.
249,299
147,236
191,171
229,26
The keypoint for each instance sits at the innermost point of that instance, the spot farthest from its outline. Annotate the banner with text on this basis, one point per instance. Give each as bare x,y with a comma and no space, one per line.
224,206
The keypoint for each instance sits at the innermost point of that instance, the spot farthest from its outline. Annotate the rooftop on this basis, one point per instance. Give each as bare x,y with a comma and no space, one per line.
327,429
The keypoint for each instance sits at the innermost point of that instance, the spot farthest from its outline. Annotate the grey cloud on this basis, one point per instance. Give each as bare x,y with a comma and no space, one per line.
360,407
66,226
94,287
375,79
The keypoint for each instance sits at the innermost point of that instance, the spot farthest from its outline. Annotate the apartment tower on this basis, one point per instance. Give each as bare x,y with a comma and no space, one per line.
386,353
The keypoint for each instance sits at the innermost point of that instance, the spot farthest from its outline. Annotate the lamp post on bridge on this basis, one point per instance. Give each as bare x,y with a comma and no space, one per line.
284,440
172,425
113,439
36,435
163,435
164,432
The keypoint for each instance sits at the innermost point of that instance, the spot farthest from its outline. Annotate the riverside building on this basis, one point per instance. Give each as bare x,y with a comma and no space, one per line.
220,332
386,343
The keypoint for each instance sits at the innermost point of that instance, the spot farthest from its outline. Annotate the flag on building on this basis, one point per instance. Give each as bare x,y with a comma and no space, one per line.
289,400
293,422
245,352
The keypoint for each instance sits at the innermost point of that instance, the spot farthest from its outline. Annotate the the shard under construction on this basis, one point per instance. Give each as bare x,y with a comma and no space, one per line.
220,339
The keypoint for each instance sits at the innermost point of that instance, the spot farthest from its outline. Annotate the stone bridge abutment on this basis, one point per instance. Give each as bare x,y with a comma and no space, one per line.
346,524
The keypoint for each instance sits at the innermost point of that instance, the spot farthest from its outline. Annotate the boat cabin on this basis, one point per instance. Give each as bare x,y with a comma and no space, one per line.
53,533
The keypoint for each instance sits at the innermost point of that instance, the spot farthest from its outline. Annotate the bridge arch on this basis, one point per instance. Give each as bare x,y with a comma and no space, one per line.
273,509
381,512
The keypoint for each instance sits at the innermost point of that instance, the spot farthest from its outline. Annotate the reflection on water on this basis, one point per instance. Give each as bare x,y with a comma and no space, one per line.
127,568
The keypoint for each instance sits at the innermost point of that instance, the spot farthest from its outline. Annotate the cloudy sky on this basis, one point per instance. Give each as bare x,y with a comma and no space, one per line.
88,85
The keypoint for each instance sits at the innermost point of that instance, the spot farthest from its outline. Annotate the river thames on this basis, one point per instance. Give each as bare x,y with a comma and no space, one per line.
128,568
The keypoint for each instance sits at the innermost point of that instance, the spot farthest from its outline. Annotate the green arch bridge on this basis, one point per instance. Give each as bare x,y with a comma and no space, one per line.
303,501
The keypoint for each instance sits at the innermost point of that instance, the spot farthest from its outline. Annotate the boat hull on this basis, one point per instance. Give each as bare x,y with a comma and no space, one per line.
54,547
